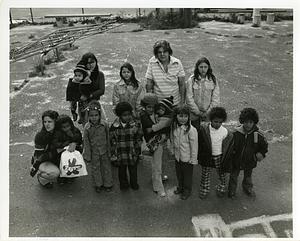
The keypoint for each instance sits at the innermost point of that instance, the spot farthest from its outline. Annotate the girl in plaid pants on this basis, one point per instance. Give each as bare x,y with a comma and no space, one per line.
215,144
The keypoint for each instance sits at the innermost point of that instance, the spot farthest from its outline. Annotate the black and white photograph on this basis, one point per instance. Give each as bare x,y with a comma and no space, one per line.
149,122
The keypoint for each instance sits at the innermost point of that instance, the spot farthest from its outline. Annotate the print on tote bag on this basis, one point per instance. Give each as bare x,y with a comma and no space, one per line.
72,164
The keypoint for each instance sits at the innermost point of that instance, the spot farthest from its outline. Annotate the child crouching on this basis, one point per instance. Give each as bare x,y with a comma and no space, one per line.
126,141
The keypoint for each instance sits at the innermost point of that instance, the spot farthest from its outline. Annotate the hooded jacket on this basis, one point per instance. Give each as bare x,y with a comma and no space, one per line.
246,145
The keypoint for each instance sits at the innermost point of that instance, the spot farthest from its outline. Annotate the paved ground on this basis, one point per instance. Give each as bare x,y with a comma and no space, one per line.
255,69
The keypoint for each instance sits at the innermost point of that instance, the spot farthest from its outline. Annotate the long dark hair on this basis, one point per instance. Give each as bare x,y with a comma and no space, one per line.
209,73
182,109
84,60
133,79
52,115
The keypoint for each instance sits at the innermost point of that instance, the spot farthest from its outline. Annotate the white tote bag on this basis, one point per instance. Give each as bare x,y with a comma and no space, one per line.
72,164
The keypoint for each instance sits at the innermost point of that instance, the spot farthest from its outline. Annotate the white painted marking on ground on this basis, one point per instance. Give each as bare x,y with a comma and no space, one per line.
212,225
27,123
33,82
31,143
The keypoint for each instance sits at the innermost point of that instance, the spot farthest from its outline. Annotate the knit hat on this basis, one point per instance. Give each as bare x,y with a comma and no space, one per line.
167,103
149,99
80,67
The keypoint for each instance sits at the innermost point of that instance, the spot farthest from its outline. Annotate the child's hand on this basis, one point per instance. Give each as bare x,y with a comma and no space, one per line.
83,98
259,156
74,115
149,130
72,147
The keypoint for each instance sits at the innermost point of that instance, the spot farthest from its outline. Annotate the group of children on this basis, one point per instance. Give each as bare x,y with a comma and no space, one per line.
210,144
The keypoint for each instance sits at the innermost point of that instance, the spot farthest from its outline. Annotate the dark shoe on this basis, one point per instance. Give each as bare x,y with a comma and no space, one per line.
184,196
49,185
249,192
232,195
220,194
70,180
203,195
135,187
177,191
61,180
108,189
124,187
98,189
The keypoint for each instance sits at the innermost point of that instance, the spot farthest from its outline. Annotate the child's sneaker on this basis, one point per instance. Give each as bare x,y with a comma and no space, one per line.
177,191
185,195
107,189
220,194
203,195
98,189
135,187
249,192
232,195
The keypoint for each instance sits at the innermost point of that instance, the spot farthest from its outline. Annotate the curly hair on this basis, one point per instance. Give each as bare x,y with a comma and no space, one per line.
249,114
122,107
217,112
164,44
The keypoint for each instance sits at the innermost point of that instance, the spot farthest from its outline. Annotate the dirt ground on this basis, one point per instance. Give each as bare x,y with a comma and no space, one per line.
254,67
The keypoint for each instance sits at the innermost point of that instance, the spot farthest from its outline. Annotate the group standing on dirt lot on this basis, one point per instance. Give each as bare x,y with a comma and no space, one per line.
183,118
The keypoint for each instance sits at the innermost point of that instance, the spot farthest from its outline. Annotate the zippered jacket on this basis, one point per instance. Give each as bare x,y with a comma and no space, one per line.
205,149
246,145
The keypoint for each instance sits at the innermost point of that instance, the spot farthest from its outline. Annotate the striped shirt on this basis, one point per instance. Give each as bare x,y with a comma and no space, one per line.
165,83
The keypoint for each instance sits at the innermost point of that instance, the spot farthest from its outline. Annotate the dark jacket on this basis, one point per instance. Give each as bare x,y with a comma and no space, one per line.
147,122
96,88
44,150
245,148
205,149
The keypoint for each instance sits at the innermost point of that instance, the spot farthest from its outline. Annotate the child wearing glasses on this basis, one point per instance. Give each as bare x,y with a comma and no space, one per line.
97,148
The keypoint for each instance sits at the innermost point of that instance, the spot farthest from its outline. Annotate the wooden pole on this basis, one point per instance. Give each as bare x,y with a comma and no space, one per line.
82,11
31,15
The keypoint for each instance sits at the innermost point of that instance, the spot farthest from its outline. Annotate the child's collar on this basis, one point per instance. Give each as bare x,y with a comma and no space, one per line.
119,123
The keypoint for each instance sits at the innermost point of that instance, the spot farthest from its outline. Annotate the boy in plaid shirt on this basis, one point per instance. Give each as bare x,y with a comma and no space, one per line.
126,140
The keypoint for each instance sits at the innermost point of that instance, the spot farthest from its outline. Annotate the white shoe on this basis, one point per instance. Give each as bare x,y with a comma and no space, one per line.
162,194
164,178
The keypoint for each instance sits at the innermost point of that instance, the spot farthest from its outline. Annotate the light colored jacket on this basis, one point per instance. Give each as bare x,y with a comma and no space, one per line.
201,95
95,140
124,92
185,145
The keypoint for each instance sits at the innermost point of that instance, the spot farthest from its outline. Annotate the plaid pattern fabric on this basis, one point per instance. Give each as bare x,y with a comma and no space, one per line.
205,177
126,141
